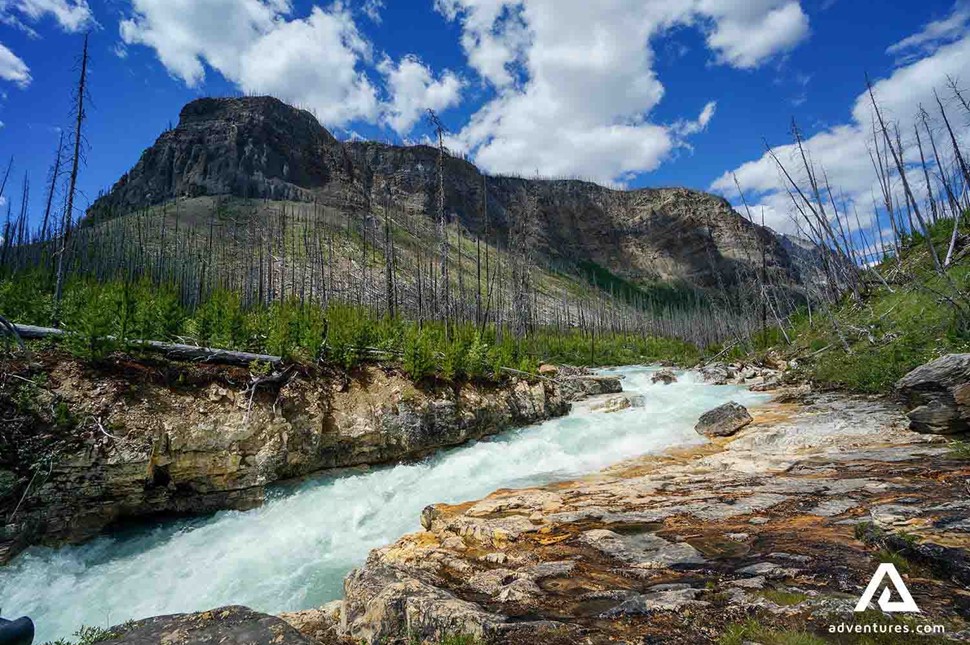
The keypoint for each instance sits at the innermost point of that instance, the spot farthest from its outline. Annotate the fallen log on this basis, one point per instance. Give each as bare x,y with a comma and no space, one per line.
173,351
9,328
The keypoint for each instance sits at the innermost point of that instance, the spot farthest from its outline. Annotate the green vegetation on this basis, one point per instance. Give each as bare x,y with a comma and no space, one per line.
900,325
889,630
754,631
89,636
450,639
960,449
783,597
106,317
895,558
652,295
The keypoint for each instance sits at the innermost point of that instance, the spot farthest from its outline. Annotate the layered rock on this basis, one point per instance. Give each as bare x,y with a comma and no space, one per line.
204,441
258,147
938,395
784,522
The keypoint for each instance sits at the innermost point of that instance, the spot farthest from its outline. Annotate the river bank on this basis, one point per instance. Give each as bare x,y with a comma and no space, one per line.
293,552
769,536
783,525
87,447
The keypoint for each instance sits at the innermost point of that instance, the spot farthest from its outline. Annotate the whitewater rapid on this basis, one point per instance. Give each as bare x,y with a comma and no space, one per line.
293,552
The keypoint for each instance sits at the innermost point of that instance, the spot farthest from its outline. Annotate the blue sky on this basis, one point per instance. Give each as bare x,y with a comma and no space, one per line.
637,93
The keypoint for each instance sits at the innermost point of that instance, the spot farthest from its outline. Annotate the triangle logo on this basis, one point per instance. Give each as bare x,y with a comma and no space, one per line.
904,604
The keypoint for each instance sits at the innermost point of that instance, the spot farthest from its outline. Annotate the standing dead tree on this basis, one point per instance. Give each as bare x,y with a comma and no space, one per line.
79,116
442,222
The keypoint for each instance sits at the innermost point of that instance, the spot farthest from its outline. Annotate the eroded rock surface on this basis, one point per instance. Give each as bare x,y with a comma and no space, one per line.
152,438
938,395
236,625
782,524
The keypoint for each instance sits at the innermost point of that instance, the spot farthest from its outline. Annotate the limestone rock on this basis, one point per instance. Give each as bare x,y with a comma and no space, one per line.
723,421
665,376
653,544
717,373
579,387
322,626
383,603
938,395
226,625
199,451
612,404
548,370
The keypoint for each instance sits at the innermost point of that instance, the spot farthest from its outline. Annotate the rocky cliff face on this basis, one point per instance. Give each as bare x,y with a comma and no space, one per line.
259,147
141,439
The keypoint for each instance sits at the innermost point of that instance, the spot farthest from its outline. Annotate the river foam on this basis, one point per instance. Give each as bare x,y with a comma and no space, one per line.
294,552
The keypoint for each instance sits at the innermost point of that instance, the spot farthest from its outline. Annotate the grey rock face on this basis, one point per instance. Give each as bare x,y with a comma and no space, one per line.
259,147
938,395
226,625
577,388
665,376
723,421
612,404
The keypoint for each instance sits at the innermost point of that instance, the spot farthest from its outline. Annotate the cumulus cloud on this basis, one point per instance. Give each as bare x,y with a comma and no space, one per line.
843,150
413,89
745,33
13,69
316,62
71,15
574,82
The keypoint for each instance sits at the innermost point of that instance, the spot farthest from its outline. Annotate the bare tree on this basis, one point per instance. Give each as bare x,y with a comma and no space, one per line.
72,185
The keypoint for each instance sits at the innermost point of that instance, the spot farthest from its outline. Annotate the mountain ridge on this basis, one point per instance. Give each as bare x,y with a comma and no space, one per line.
259,147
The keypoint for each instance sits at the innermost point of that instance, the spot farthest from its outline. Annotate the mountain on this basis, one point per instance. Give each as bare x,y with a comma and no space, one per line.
259,147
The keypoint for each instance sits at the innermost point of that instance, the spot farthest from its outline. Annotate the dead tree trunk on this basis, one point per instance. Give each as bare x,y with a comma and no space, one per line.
72,186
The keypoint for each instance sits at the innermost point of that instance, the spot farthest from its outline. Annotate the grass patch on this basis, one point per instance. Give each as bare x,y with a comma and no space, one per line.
754,631
782,597
894,330
959,449
895,558
451,639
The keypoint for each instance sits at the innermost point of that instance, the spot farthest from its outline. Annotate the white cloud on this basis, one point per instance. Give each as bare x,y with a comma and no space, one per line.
372,9
315,62
71,15
934,34
574,80
748,32
13,69
843,150
413,90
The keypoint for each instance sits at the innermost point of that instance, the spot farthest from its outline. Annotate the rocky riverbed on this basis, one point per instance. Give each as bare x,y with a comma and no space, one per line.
769,534
784,523
777,529
85,448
